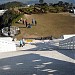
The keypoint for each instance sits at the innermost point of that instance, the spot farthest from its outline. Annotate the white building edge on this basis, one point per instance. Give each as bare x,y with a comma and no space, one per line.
3,11
74,11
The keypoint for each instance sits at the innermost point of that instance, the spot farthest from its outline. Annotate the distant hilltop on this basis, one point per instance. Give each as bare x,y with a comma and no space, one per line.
34,1
21,3
11,5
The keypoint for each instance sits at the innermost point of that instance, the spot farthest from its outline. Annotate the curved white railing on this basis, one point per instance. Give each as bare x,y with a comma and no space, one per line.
68,43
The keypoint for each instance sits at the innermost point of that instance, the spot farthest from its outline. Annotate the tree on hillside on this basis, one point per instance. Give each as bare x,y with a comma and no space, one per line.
41,1
11,5
60,3
44,7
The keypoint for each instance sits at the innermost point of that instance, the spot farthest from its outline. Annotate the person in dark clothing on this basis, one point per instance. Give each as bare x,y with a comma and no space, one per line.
35,22
23,21
26,22
29,25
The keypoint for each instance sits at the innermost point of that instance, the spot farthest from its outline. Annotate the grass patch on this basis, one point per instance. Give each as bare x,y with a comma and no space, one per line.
17,18
55,24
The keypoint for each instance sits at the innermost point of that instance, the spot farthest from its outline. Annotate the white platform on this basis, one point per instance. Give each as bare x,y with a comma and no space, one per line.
6,44
68,36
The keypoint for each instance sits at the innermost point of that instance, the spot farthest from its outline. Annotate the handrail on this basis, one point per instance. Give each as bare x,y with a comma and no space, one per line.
67,43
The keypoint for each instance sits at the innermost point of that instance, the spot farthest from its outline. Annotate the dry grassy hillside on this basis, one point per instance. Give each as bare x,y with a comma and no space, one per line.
55,24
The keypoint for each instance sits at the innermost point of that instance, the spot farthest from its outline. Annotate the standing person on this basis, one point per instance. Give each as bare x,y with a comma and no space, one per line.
23,21
21,43
33,21
23,40
26,22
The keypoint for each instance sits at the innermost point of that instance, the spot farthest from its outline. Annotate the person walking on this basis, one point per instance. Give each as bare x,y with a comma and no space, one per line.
21,43
23,40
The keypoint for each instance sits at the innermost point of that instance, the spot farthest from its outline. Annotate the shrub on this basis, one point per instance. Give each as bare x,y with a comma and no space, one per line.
10,14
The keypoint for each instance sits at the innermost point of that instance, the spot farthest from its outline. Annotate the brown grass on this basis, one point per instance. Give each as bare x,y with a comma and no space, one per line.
55,24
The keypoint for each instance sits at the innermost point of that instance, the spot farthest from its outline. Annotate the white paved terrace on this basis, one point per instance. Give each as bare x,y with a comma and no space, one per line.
32,59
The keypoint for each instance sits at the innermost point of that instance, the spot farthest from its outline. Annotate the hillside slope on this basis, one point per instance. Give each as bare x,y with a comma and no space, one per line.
55,24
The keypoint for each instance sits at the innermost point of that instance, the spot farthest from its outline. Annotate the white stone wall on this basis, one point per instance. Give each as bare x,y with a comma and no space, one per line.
7,45
6,38
74,11
68,36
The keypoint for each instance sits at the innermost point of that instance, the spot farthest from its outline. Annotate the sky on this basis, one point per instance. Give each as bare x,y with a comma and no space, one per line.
49,1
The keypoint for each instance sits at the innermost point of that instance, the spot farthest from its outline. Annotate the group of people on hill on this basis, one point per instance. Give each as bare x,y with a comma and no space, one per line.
28,25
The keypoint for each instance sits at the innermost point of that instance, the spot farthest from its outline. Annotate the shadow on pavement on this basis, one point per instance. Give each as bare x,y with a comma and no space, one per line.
42,47
50,47
69,53
35,64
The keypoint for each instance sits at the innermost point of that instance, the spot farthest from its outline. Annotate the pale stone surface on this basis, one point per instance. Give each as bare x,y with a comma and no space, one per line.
38,58
6,45
55,62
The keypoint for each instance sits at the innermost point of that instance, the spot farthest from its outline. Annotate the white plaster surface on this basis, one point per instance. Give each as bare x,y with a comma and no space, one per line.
68,36
7,45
